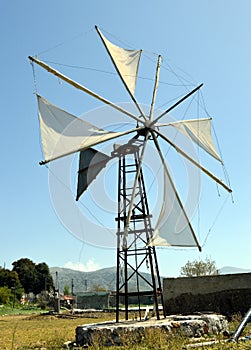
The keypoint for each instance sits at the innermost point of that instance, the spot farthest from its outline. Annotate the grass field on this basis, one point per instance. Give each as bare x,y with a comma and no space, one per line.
38,331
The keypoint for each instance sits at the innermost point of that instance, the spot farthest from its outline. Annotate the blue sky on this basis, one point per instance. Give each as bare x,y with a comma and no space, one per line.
209,40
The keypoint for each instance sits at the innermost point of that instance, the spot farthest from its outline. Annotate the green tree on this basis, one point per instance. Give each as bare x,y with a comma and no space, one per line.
44,281
199,268
11,280
34,278
26,271
67,289
5,294
8,278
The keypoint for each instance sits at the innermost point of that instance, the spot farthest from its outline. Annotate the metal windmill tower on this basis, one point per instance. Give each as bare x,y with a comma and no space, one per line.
63,134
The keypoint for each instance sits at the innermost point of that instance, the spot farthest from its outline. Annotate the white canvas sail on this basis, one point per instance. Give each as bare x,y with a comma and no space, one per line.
62,133
199,131
173,227
126,62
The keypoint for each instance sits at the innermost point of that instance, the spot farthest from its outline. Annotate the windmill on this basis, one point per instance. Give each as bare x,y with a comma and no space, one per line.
62,134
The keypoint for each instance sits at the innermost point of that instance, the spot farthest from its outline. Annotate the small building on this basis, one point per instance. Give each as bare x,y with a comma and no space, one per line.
93,300
68,301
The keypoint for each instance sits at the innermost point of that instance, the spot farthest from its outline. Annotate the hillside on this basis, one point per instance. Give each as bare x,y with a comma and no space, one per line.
85,281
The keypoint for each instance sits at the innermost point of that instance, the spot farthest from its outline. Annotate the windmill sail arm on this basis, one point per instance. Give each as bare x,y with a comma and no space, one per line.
199,131
91,163
194,162
82,87
172,123
129,85
63,133
176,104
97,142
178,201
156,83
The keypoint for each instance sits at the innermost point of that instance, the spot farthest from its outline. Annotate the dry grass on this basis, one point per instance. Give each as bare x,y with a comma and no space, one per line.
50,332
36,332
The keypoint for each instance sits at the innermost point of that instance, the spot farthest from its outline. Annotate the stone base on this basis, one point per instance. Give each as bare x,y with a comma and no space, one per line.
112,333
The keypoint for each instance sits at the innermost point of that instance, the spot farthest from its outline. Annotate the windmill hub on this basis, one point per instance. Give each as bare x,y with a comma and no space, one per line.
149,125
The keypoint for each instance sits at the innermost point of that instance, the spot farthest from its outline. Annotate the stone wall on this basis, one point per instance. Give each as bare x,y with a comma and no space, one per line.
225,294
133,332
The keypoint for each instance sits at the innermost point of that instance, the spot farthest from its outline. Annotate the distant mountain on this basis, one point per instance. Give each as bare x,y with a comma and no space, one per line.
227,270
106,278
85,281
